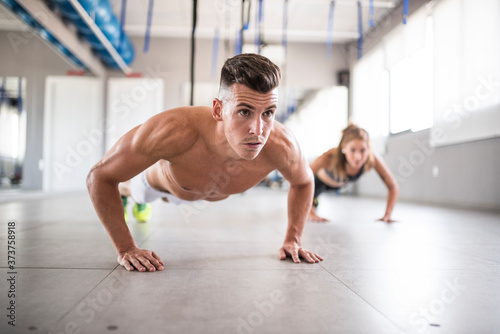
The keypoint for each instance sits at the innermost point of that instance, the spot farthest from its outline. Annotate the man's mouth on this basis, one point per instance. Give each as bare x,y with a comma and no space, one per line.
253,144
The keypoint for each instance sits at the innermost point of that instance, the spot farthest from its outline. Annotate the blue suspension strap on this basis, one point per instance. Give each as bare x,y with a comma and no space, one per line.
215,53
246,22
405,10
284,41
237,43
148,26
258,27
292,104
195,16
244,26
360,31
20,96
330,31
371,15
227,26
3,92
122,23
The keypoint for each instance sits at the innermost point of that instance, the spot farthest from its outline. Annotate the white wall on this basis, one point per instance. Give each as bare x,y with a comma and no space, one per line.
319,123
169,59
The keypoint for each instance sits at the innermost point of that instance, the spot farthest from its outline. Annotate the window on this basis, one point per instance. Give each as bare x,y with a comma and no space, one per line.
411,88
467,71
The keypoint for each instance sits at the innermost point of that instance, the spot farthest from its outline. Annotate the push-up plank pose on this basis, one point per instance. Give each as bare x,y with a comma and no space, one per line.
346,163
175,155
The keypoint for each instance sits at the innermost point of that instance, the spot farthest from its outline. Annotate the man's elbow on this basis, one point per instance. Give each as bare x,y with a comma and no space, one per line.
94,177
91,179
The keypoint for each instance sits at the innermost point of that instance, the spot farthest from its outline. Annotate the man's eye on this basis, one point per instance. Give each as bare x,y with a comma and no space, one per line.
269,113
244,112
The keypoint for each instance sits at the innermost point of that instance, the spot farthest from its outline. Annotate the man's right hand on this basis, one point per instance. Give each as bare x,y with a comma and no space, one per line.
140,259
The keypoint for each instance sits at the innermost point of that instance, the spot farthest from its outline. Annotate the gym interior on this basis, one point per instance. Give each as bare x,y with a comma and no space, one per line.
422,77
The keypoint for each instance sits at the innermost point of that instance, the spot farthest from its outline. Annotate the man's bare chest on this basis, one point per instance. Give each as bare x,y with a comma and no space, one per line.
217,179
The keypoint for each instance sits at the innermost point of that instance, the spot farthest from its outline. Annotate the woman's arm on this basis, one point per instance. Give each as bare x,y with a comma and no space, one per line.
392,186
322,161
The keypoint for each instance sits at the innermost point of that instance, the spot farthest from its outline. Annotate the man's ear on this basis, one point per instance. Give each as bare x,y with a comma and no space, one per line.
217,109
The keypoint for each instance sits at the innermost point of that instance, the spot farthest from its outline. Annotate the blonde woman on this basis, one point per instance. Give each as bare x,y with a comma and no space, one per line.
348,162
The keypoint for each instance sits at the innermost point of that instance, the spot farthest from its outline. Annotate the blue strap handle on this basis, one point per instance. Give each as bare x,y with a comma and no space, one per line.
371,15
148,26
405,10
329,39
360,31
284,41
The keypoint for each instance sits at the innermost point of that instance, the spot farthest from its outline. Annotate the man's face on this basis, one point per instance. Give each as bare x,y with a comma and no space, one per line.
248,118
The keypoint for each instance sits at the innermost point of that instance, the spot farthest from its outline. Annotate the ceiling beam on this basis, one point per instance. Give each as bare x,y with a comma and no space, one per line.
67,37
270,35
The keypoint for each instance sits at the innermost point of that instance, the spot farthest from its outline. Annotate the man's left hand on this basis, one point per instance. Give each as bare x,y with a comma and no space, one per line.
296,252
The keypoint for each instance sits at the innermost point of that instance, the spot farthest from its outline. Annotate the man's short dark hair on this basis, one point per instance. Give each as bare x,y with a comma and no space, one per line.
252,70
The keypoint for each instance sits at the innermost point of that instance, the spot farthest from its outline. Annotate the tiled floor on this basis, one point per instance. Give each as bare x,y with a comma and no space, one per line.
435,271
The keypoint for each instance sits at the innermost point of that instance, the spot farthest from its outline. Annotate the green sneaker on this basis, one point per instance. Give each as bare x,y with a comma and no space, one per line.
142,212
124,201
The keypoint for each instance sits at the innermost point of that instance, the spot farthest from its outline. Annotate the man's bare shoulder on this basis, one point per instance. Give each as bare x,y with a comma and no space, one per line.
171,132
282,149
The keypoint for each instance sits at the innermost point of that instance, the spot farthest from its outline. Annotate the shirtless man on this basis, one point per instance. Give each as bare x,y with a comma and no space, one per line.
181,149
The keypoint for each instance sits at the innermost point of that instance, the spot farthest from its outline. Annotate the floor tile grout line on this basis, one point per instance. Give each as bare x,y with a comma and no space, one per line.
31,228
57,268
322,268
83,298
363,299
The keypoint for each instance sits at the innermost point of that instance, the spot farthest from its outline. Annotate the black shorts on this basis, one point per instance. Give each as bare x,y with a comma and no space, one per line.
319,187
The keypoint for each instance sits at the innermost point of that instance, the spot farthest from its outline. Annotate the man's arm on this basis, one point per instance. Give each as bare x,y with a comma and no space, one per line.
134,152
300,195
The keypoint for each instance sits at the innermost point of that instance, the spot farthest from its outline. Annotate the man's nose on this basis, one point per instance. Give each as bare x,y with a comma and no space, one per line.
256,127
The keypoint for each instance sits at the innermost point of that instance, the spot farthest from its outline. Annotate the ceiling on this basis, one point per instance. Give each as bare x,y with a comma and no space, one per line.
307,19
8,21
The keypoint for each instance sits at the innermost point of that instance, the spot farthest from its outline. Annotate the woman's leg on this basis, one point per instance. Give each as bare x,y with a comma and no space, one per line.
319,187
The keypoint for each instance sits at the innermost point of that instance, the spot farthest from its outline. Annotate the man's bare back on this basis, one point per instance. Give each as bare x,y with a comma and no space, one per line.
207,153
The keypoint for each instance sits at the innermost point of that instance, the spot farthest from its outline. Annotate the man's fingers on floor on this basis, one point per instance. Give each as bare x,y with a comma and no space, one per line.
282,253
157,263
313,257
147,263
127,265
316,256
306,256
295,256
137,265
158,258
